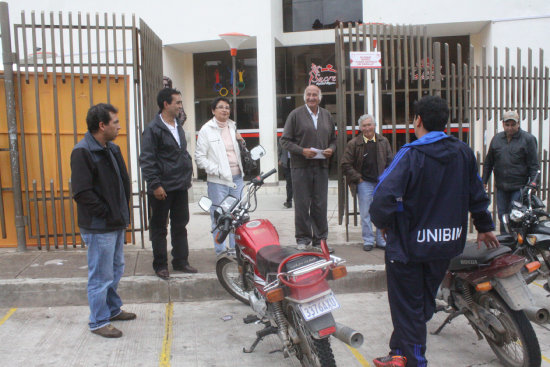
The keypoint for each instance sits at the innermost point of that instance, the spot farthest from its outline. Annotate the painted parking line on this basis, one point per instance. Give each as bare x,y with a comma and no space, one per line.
538,285
164,360
7,316
546,359
359,356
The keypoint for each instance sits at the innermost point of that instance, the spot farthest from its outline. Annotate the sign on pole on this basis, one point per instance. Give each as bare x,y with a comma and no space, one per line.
365,59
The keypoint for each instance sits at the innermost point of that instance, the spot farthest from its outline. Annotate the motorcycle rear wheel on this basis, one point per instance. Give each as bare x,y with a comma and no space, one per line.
519,347
228,275
310,352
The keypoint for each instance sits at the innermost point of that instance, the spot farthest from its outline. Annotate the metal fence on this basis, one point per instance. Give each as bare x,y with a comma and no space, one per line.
63,64
415,64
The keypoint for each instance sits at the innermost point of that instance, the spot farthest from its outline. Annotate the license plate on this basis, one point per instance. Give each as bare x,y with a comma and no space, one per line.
318,307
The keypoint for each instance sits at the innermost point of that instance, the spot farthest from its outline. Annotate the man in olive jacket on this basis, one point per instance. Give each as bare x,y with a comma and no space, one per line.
166,166
364,160
309,137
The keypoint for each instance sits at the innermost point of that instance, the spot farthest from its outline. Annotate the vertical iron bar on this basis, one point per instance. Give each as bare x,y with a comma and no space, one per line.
39,135
406,34
461,112
107,76
9,89
392,75
57,142
54,220
37,217
71,209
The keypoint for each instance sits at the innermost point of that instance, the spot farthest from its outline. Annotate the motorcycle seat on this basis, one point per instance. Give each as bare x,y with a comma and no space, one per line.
269,257
472,257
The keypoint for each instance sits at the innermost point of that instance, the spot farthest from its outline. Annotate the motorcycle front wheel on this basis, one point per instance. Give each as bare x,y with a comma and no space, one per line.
228,275
310,352
518,346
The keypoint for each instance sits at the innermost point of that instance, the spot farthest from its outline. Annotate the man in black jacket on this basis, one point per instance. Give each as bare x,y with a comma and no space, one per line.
422,202
167,168
513,156
101,189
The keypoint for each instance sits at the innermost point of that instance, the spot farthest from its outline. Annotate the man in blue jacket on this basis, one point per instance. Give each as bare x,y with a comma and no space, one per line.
422,202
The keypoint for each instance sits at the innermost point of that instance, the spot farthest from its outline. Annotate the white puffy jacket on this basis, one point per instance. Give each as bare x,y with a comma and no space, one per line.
210,153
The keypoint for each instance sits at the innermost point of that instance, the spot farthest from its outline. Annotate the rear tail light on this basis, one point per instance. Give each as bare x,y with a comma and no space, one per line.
275,295
484,287
327,331
338,272
510,269
532,266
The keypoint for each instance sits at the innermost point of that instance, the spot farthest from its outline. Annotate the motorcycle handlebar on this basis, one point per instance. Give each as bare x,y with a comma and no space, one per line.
259,180
222,234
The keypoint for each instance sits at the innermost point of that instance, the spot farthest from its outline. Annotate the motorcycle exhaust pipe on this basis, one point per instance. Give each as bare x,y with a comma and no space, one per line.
537,315
348,335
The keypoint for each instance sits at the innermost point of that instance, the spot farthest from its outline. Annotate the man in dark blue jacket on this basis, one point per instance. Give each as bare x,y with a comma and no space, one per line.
167,168
101,189
422,202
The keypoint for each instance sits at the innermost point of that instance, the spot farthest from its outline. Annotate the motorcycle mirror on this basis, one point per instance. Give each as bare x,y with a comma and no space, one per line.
257,152
205,203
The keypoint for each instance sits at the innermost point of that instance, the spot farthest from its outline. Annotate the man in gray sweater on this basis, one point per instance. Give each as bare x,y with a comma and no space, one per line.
309,137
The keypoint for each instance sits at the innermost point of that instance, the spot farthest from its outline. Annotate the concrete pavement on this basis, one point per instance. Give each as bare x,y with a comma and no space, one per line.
195,334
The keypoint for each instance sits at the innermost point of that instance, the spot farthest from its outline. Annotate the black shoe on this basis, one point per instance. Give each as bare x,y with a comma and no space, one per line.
318,248
368,247
163,273
185,268
287,204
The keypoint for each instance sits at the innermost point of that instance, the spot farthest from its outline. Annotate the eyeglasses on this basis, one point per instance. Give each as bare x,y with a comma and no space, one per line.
223,108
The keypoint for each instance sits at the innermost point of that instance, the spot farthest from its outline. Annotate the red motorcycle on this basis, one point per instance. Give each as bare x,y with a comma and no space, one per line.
488,288
288,289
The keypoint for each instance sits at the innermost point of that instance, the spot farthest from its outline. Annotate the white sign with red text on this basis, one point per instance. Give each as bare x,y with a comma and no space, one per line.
365,59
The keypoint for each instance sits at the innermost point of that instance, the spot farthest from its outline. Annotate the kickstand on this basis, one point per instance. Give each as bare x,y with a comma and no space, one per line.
260,334
447,321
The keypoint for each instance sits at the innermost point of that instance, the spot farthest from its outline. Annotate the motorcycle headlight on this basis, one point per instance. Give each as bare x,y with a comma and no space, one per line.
516,215
531,239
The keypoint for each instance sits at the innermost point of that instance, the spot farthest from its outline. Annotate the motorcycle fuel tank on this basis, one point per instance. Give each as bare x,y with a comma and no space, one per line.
254,235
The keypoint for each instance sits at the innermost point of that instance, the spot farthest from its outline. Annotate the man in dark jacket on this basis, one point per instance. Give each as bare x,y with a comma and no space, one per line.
364,160
167,168
422,203
101,189
309,137
284,161
513,156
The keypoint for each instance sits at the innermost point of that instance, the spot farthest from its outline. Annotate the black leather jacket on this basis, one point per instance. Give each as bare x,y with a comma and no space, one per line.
163,162
95,185
515,162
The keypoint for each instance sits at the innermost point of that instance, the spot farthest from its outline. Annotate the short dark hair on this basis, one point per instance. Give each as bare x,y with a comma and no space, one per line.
165,95
434,112
99,113
217,100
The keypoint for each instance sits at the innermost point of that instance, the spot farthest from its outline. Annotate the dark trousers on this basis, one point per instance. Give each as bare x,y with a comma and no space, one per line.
412,288
177,205
288,178
504,204
310,186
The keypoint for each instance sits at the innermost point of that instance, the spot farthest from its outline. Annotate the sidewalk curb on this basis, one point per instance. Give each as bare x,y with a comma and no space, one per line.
151,289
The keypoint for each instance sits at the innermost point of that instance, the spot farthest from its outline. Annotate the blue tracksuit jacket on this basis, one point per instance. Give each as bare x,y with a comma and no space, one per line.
424,196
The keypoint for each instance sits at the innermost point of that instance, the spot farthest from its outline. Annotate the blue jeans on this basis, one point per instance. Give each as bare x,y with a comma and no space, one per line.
365,190
216,193
105,268
504,204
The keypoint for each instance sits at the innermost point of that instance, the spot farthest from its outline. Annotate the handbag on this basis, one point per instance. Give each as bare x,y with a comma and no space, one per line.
249,165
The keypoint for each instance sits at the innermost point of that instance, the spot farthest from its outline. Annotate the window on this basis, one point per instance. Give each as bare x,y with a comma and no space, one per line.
307,15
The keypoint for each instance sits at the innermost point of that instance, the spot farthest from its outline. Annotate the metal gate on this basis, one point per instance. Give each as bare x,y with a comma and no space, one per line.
64,64
415,64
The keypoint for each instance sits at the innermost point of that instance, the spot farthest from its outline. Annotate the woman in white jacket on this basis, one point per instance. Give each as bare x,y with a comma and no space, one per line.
218,153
